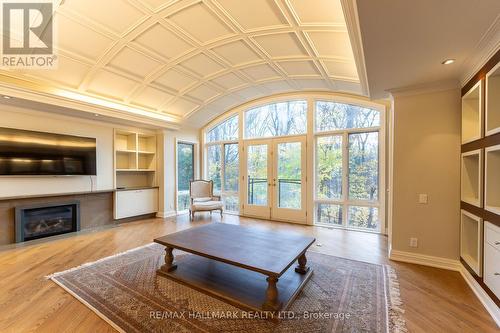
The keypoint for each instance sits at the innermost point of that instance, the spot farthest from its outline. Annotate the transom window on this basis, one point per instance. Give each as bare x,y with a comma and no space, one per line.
276,119
225,131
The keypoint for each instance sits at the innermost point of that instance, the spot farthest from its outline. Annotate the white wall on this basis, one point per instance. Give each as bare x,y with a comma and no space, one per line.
20,118
167,175
426,159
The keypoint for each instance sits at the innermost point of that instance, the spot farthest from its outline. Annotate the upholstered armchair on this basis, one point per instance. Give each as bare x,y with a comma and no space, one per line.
202,198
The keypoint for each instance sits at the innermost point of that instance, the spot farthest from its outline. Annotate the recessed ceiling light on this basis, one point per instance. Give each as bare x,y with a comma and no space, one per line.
6,97
96,114
448,61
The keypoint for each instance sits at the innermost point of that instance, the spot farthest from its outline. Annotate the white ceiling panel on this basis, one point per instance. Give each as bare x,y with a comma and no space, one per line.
163,42
194,59
201,23
254,14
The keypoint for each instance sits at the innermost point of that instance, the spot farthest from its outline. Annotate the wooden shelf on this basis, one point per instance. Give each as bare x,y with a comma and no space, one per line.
493,101
471,177
471,230
471,114
492,180
135,159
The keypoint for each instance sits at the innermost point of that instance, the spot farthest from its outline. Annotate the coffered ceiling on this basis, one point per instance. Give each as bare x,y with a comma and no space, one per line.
192,59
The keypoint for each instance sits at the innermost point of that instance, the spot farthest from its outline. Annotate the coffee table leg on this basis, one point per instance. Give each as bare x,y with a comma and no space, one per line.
271,303
169,261
301,267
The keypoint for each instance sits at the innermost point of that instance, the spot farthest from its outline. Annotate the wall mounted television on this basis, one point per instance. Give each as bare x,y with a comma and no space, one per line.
30,153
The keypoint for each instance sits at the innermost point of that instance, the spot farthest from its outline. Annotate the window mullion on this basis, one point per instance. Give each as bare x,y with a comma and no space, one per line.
345,176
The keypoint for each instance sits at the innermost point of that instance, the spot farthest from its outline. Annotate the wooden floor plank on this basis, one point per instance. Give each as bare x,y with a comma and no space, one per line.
435,300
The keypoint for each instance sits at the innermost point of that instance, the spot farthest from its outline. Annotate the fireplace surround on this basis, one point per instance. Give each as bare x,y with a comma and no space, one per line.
45,220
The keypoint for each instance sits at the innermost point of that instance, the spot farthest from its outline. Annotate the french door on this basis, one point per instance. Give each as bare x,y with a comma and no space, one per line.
274,179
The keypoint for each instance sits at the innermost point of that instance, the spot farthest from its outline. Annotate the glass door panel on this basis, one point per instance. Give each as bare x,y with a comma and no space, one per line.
289,179
289,175
257,180
257,175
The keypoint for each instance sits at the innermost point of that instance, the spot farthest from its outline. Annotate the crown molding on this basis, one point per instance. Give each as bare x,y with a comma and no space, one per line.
353,28
425,88
29,91
487,46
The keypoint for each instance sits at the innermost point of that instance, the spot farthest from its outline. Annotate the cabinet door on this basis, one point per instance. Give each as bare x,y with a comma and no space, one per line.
492,268
135,203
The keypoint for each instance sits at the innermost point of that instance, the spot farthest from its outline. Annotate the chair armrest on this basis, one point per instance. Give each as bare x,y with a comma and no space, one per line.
216,197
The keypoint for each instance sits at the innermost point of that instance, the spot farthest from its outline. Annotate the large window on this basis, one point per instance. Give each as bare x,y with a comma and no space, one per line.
347,165
222,162
185,173
278,119
344,141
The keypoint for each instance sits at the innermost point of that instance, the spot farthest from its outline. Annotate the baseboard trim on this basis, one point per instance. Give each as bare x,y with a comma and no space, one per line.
453,265
170,213
483,297
425,260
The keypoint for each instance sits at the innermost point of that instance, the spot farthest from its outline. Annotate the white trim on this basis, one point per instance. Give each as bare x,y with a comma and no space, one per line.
493,209
351,16
483,297
425,88
479,201
170,213
425,260
480,121
486,47
476,266
497,129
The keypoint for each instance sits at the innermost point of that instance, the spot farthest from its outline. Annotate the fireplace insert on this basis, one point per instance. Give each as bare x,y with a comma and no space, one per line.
38,221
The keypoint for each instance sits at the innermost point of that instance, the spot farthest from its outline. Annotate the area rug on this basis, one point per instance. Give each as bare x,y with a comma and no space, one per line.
342,296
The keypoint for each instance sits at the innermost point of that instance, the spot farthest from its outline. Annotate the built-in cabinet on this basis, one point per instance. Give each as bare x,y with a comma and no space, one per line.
492,257
135,174
480,178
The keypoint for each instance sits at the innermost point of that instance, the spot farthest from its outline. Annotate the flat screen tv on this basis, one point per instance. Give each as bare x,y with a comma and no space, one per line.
29,153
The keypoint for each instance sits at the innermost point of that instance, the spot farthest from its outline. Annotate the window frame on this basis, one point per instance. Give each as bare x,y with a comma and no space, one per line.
195,169
311,98
345,202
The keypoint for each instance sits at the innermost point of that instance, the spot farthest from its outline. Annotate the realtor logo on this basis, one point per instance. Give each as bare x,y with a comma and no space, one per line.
27,34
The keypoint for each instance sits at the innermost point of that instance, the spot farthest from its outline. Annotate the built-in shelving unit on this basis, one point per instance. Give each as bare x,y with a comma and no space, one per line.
471,114
493,101
471,230
135,159
492,180
472,166
480,177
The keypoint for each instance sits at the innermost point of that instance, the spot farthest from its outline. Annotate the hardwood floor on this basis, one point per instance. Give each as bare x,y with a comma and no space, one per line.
435,300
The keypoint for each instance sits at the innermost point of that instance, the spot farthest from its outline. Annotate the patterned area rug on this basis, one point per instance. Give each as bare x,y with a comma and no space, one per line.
342,296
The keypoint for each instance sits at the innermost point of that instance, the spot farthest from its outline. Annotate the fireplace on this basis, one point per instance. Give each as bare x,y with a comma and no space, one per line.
38,221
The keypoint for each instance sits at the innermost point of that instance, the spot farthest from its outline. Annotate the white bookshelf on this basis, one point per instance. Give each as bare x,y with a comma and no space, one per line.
471,114
492,180
135,159
493,101
471,229
471,177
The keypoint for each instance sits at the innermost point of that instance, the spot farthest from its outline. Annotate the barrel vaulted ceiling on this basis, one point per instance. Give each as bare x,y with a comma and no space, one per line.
192,59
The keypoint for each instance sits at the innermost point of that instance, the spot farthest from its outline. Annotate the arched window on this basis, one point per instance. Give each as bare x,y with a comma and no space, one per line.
344,150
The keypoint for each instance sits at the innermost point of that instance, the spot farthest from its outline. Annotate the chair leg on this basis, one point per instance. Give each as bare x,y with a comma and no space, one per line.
221,214
192,215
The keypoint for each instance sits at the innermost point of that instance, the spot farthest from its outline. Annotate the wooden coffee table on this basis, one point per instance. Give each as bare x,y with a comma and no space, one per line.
230,260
